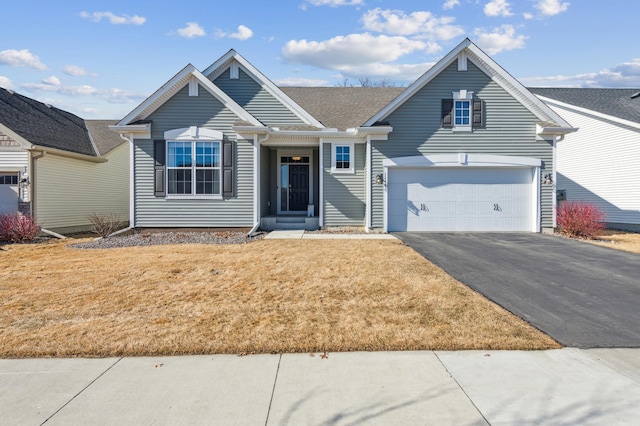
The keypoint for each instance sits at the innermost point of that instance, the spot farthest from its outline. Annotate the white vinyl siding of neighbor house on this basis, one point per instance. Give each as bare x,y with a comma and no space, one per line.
13,160
68,190
509,129
600,164
344,193
179,112
256,100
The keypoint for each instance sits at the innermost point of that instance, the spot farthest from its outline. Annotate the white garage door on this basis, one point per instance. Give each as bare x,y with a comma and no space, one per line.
8,193
460,199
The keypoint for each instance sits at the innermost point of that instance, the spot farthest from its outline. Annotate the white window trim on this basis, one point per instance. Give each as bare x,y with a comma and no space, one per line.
462,95
193,195
351,169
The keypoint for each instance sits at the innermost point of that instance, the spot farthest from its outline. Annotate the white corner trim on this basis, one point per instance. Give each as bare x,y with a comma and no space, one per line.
321,184
368,179
454,160
193,133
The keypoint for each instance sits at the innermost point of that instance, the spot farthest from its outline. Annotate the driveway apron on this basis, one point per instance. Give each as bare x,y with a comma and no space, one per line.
580,294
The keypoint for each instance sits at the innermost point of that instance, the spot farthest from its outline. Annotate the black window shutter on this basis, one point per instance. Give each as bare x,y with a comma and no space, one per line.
478,113
159,147
228,162
447,113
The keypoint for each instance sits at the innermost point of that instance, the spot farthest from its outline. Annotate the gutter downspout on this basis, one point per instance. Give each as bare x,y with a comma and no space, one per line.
257,183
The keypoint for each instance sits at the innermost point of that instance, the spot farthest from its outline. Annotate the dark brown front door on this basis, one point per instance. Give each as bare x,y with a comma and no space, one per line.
298,187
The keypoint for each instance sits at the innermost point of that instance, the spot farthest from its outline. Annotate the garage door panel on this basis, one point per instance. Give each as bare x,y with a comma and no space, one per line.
474,199
8,193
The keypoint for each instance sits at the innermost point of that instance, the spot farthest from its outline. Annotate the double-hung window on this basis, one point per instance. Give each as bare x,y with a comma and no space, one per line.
193,168
342,158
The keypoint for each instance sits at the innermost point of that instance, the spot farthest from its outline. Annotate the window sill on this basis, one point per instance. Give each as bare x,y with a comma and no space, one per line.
462,129
193,197
343,172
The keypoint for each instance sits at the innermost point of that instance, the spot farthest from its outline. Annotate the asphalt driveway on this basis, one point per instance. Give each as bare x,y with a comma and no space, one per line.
580,294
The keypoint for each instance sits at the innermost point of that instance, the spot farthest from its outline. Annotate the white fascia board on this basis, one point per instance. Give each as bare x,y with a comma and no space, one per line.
422,81
543,130
491,68
140,131
69,154
553,102
162,91
462,160
215,69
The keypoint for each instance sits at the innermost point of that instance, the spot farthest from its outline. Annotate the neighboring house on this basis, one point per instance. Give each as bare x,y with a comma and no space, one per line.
600,164
59,167
465,147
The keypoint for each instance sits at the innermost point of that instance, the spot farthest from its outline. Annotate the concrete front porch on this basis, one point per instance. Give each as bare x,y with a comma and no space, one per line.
282,222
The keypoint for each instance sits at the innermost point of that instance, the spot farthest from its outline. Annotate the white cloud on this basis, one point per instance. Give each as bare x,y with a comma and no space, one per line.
300,82
48,86
113,18
52,80
21,58
395,72
626,74
191,30
76,71
336,3
5,82
119,96
420,23
450,4
243,33
351,50
500,39
551,7
528,15
498,8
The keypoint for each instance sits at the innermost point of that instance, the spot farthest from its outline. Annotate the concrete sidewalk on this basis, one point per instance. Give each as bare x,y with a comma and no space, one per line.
566,386
297,234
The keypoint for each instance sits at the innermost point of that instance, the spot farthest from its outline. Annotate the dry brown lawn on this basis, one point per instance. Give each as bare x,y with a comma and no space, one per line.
621,240
269,296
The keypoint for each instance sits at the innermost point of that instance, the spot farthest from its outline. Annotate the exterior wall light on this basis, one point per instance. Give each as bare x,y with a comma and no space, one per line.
379,179
547,179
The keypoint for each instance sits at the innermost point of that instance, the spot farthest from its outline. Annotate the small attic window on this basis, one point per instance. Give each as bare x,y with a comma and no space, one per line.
233,71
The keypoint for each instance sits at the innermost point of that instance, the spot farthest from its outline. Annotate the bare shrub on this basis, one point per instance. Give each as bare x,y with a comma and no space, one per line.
107,223
18,228
580,220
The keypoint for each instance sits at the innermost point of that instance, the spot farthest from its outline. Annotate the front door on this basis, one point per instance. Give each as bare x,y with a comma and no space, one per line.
298,187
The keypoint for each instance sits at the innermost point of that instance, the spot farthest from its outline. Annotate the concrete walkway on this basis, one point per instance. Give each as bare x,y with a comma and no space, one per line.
300,234
566,386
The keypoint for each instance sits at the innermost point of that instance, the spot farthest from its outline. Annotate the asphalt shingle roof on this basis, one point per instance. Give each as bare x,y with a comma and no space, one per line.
342,107
104,138
44,125
615,102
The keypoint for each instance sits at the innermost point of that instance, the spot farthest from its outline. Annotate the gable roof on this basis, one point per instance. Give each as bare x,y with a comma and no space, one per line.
342,107
44,125
176,83
467,50
222,64
617,103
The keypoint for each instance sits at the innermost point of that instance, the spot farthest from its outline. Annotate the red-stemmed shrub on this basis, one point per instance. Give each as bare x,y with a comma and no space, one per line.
580,220
18,228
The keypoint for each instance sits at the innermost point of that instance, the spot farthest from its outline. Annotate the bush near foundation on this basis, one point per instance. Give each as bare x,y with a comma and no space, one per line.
18,228
580,220
106,224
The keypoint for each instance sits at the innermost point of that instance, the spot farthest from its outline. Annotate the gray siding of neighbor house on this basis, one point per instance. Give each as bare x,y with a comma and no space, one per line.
255,99
509,130
184,111
344,193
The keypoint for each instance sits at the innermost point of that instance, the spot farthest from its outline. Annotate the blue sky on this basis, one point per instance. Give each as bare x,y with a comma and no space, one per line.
100,59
